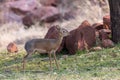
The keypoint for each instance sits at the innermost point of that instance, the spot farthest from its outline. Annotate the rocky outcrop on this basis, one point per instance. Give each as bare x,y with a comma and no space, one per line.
80,38
106,22
28,12
15,10
107,43
98,26
104,34
49,2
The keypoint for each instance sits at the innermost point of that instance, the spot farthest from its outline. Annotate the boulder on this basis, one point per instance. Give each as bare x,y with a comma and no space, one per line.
22,5
9,16
79,37
42,14
53,34
107,43
49,2
28,12
104,34
106,22
15,10
50,14
98,26
28,20
12,48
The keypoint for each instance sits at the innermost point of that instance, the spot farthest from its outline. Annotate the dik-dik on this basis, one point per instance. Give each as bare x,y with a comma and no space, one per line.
49,46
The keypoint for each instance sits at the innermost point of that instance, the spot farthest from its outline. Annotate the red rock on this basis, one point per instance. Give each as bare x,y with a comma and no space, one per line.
12,48
15,10
78,37
107,43
23,5
104,34
52,33
106,22
98,26
28,20
49,2
28,12
12,17
42,14
8,16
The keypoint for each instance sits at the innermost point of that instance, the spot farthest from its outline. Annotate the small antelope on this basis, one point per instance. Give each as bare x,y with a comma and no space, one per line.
49,46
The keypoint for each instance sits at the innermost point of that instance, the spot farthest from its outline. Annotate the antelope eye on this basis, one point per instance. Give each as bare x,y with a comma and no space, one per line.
63,31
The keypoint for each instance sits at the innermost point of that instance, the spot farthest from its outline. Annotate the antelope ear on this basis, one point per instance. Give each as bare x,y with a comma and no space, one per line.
58,27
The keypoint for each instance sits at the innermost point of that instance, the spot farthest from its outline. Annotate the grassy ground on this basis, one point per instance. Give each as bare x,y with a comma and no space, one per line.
95,65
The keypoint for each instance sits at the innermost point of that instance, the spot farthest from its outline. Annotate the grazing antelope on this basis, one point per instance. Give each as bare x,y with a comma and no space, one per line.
49,46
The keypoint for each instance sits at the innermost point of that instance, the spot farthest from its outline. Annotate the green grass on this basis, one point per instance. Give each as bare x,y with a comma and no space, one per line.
95,65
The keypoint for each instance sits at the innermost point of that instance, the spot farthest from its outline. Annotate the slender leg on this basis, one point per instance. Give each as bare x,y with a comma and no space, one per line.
50,61
56,60
24,59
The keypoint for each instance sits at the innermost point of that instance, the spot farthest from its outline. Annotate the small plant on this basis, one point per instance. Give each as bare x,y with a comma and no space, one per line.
80,52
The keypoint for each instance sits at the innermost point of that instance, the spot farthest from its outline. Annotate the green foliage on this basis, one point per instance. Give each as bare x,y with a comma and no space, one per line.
81,52
98,65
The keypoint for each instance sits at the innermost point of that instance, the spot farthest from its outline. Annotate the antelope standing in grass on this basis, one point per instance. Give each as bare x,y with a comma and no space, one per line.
49,46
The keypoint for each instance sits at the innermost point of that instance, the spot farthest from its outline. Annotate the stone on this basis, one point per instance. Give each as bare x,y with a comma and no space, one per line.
15,10
98,26
106,22
28,20
104,34
42,14
107,43
49,2
23,5
80,38
12,48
